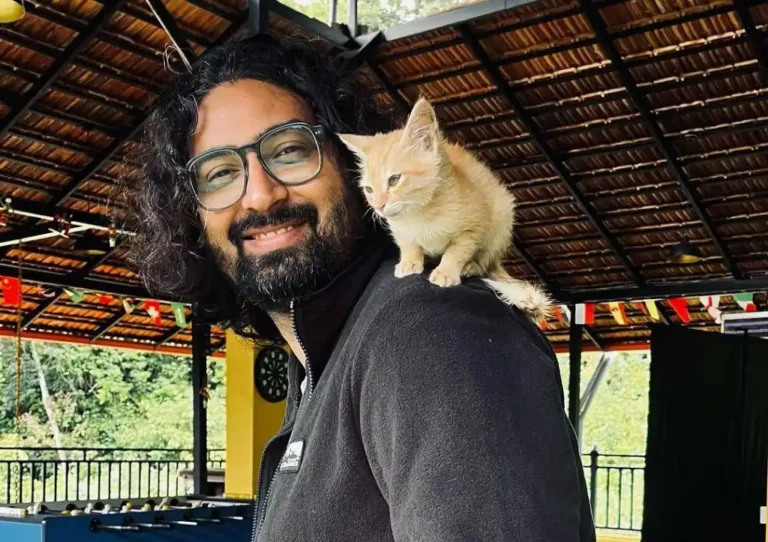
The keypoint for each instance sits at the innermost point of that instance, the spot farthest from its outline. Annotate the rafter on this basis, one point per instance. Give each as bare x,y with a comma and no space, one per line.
756,38
108,152
401,103
178,38
75,47
109,324
530,125
670,154
80,274
171,333
670,289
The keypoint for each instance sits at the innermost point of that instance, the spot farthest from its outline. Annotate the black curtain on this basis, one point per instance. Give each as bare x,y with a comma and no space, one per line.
707,448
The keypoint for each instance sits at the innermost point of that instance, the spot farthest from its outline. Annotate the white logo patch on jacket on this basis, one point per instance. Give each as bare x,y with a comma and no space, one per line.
292,457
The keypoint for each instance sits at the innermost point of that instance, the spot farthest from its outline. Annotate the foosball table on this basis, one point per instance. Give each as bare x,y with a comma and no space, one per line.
169,520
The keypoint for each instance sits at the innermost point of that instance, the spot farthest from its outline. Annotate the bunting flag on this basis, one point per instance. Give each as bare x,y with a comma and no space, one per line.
105,299
153,308
557,311
11,291
653,310
641,307
712,304
746,302
681,308
75,295
129,304
48,292
543,323
180,314
585,313
617,310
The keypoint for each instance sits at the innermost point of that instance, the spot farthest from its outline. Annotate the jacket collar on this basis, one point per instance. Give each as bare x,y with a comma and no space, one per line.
319,318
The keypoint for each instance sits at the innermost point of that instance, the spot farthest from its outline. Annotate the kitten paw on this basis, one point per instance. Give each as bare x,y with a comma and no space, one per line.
472,269
444,278
403,269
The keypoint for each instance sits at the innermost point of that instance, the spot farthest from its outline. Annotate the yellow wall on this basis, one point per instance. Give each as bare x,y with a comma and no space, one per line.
251,421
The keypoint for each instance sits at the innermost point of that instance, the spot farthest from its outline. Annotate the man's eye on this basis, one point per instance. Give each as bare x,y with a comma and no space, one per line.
291,153
394,179
219,179
368,189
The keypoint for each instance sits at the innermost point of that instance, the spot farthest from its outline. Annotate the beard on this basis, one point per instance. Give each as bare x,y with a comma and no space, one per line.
270,281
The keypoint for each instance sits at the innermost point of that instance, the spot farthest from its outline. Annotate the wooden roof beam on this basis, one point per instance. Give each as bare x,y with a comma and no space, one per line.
530,125
107,154
671,289
643,106
109,324
756,38
75,47
177,37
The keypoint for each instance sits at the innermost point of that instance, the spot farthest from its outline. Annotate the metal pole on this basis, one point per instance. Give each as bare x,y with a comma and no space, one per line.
258,16
352,17
574,378
590,390
332,10
201,339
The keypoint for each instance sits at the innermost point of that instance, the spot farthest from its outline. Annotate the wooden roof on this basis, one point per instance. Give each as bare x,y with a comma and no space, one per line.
622,127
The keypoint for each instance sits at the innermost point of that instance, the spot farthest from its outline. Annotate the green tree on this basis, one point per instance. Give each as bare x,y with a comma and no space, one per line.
107,397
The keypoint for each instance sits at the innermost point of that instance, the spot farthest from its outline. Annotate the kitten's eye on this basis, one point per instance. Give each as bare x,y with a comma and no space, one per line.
368,189
394,179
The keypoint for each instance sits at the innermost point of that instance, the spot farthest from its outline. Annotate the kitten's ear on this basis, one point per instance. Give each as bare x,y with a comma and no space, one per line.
421,130
358,144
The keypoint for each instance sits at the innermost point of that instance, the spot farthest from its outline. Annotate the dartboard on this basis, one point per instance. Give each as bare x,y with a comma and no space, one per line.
271,373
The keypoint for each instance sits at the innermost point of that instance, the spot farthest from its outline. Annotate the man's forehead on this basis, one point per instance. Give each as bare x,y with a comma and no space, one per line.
237,113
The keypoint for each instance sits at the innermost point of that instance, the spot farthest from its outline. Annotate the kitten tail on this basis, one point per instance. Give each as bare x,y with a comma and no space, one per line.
526,296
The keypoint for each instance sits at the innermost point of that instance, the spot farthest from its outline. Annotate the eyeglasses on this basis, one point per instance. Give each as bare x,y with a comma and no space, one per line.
291,154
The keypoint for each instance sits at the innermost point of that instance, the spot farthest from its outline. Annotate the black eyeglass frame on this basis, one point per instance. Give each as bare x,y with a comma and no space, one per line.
318,131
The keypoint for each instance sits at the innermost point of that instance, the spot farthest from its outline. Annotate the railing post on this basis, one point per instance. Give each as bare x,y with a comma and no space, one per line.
574,378
593,459
201,339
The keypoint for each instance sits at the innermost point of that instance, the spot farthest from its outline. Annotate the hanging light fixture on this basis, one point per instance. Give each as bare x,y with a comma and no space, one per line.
686,253
11,10
90,245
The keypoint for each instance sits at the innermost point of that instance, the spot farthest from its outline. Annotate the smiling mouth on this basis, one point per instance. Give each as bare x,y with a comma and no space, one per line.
258,234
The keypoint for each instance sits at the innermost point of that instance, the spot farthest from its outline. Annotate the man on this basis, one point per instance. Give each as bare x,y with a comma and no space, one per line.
414,412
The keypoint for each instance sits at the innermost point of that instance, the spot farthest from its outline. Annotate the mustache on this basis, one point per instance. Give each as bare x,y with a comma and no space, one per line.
295,213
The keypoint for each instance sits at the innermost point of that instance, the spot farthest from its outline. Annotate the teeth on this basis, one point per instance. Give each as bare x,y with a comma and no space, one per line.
273,233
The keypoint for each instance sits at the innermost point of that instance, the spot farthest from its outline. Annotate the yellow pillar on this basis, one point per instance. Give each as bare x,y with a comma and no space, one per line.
251,421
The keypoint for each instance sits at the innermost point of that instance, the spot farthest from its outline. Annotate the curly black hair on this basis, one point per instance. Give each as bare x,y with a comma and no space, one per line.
169,251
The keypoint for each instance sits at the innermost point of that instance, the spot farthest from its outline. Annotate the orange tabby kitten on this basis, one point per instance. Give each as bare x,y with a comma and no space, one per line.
440,201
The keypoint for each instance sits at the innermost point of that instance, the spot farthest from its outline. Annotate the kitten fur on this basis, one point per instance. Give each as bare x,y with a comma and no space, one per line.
441,202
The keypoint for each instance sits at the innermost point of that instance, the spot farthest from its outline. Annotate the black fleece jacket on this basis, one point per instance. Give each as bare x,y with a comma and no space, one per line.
430,414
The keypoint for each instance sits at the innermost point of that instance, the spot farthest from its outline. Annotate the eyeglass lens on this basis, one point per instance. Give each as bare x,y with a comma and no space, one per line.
291,155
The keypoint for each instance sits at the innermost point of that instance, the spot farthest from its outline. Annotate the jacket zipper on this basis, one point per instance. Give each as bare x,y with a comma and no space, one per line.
258,519
310,384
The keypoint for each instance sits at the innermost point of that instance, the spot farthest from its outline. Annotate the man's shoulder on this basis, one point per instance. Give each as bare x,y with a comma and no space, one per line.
397,303
408,328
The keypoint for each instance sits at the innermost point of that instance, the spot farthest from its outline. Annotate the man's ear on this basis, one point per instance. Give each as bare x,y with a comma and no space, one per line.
358,144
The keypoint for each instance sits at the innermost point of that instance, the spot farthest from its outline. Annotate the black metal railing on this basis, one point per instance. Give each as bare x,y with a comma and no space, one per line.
616,484
29,475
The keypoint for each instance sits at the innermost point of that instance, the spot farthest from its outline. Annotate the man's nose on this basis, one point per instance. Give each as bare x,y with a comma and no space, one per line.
262,191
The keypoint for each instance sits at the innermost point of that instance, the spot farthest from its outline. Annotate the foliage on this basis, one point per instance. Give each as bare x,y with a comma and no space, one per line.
617,421
107,398
375,15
